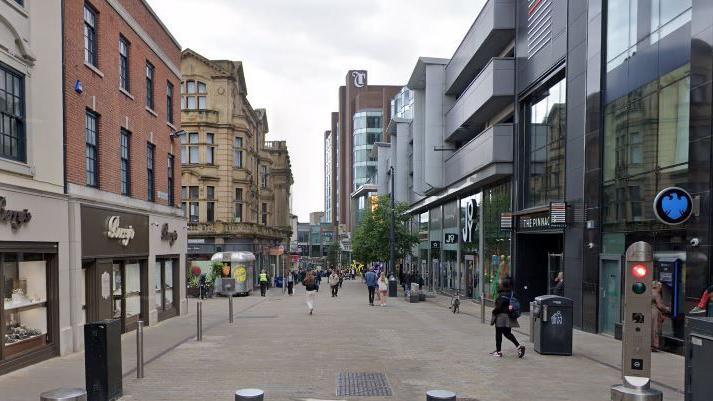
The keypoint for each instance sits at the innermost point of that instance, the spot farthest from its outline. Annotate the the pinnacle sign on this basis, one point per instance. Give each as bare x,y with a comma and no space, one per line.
673,206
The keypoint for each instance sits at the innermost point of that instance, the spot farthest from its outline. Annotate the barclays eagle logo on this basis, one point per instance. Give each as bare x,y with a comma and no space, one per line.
675,206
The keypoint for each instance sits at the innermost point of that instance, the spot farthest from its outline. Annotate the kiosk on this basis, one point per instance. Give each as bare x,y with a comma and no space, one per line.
238,273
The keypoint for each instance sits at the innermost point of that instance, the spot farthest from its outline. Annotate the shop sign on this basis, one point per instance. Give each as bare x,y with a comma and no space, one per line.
359,78
673,206
469,215
451,238
534,222
123,234
166,235
558,213
15,218
506,221
435,244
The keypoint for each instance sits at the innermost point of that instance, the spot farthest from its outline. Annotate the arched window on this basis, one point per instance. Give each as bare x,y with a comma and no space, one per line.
194,95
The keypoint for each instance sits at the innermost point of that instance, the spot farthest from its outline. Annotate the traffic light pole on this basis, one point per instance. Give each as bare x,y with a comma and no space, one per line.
636,342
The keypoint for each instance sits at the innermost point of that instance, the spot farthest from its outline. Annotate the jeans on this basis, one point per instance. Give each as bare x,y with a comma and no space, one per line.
372,290
263,288
335,289
507,332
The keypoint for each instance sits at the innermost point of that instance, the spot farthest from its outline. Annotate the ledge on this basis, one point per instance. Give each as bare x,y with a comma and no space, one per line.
173,127
150,110
126,93
94,69
21,9
15,167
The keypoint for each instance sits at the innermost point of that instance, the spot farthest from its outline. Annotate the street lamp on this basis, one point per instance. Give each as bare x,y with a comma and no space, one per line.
392,232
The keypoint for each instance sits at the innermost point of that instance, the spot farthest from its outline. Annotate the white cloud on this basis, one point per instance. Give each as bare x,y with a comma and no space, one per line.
296,54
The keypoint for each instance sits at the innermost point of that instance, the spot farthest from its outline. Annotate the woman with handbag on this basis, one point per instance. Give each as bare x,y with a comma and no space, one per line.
504,322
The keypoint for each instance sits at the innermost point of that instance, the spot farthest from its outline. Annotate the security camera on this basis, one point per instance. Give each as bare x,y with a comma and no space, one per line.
695,241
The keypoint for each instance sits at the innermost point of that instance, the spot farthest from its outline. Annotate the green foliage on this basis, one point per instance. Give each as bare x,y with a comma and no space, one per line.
216,270
371,239
193,281
333,254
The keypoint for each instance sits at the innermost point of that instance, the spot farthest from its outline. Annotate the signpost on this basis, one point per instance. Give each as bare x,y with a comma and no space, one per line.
636,343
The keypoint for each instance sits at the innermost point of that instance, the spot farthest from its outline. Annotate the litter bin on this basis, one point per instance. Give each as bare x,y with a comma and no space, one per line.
699,358
553,325
392,287
102,360
709,311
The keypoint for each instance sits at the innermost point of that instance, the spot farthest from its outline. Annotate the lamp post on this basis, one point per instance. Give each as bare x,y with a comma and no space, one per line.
392,231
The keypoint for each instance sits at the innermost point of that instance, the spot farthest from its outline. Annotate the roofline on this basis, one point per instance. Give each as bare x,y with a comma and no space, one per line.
163,26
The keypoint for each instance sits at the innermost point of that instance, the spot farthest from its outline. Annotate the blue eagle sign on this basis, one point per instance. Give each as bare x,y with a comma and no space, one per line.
673,206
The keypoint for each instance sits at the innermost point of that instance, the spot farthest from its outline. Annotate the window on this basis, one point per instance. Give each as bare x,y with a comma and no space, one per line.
210,149
124,75
189,148
210,205
12,110
150,183
169,102
171,195
91,155
264,213
190,204
125,163
149,85
194,95
238,205
238,152
20,2
91,55
263,177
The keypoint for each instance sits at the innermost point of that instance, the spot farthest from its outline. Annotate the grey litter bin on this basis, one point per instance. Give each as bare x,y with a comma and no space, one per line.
699,358
553,325
64,394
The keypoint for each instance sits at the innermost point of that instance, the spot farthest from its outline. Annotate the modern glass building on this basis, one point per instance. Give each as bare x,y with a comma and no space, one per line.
368,129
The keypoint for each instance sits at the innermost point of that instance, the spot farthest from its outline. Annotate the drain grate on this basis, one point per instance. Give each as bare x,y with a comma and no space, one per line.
363,384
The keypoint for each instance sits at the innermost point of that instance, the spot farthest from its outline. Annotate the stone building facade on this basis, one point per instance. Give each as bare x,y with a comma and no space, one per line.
235,183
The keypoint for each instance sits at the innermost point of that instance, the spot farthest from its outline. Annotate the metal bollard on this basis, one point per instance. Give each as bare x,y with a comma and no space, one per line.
199,321
532,321
249,394
482,308
230,309
439,395
64,394
140,350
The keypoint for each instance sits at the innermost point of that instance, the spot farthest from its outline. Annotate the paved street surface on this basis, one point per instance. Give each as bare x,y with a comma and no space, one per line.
275,345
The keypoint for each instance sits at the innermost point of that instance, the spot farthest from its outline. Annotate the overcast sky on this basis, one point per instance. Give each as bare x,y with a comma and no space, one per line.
296,54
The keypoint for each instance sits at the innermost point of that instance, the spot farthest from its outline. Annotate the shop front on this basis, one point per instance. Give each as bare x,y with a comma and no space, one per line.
33,267
115,258
166,256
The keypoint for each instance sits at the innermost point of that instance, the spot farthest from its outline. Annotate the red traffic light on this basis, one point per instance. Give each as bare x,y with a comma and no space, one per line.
639,271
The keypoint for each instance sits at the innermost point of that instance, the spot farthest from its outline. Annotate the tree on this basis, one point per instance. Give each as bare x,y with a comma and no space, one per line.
371,239
333,254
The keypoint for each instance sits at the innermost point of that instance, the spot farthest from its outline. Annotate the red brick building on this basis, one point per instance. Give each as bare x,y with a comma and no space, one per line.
122,107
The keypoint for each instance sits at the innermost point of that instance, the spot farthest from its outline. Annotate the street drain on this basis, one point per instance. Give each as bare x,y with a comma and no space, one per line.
363,384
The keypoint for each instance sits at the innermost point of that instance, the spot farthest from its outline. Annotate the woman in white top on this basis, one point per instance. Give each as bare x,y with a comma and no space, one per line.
383,287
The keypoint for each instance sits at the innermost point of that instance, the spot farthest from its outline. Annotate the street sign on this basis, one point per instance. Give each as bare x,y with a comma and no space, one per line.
451,238
673,206
636,342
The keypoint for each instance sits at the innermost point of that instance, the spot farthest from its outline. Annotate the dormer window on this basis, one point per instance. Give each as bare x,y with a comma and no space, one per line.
194,95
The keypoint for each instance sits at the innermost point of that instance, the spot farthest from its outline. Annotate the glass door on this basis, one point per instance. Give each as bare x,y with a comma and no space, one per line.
554,268
609,293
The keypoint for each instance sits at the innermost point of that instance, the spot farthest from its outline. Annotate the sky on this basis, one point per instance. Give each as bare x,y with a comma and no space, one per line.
296,54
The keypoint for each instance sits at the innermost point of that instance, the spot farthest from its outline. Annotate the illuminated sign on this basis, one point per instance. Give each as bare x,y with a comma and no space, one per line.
673,206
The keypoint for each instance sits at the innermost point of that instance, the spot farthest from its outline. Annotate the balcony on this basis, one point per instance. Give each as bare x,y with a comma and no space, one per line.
486,158
240,229
491,91
492,31
189,116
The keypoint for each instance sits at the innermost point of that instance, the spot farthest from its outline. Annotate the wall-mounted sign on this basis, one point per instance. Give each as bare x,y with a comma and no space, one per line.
451,238
166,235
359,78
506,221
435,244
123,234
673,206
469,217
15,218
109,233
558,213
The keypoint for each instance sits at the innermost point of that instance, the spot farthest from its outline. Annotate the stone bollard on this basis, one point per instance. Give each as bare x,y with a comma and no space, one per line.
440,395
249,394
64,394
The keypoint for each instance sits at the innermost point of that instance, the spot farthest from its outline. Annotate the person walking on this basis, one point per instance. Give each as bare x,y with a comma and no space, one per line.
558,289
383,287
263,283
341,277
504,322
659,310
333,281
318,279
290,283
371,283
310,283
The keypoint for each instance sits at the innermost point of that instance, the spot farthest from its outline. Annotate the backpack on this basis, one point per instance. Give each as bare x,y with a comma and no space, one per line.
515,310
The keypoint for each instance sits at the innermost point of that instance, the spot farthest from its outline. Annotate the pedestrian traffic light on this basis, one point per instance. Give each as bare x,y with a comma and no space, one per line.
639,270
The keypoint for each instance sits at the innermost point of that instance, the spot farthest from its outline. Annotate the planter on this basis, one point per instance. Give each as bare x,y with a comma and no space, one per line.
193,292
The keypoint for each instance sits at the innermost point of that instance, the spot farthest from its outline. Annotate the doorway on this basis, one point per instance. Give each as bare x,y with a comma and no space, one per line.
609,293
539,260
554,268
117,289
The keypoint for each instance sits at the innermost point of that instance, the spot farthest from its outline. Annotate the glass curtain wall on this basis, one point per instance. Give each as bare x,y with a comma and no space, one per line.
424,245
469,239
435,234
368,129
450,275
496,242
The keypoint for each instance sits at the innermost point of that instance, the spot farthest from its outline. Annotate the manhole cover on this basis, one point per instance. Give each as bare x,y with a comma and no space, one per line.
363,384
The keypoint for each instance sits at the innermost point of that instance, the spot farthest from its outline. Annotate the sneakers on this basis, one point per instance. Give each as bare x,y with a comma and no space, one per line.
496,354
310,311
521,351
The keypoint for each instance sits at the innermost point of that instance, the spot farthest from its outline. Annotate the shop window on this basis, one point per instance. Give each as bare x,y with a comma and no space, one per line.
165,299
25,303
496,242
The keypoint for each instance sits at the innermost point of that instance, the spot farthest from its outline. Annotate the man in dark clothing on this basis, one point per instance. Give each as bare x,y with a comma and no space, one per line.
371,284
